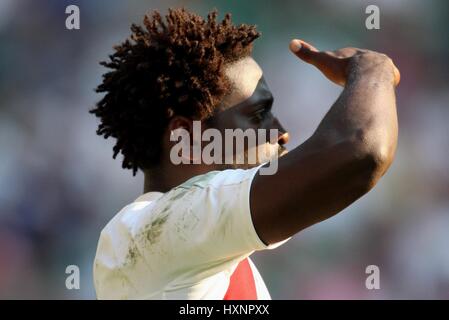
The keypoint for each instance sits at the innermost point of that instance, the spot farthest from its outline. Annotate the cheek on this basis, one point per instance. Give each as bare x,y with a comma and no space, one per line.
264,152
236,122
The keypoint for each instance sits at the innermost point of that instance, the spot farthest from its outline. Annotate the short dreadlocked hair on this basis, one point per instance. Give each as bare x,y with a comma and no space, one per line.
166,68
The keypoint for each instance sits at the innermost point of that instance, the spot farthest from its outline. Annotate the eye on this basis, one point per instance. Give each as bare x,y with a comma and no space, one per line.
260,115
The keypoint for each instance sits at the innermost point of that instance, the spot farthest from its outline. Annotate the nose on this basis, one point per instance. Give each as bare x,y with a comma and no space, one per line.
283,138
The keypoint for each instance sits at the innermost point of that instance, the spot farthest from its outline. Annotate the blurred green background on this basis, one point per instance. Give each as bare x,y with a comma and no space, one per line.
59,185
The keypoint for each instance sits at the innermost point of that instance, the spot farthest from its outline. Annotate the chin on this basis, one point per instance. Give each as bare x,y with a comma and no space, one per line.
283,153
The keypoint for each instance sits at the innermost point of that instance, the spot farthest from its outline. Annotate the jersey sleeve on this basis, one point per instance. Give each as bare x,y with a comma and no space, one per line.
209,223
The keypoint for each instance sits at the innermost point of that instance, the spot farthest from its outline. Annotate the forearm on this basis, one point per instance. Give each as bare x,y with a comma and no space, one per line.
364,115
351,149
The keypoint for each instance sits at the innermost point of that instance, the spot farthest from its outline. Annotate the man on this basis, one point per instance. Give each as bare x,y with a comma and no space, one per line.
190,235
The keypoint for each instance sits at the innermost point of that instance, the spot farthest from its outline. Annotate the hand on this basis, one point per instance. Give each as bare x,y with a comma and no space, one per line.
340,64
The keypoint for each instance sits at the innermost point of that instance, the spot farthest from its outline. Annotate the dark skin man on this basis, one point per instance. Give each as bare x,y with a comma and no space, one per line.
349,152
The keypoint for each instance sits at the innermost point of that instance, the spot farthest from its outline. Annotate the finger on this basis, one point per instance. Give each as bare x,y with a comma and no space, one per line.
397,76
303,50
309,54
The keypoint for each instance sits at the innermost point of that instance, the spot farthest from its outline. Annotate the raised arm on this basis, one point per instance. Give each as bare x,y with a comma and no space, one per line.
351,149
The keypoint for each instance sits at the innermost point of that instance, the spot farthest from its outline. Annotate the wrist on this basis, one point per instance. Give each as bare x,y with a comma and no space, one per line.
372,66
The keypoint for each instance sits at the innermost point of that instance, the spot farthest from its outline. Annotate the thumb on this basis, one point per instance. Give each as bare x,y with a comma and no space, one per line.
304,50
323,60
327,62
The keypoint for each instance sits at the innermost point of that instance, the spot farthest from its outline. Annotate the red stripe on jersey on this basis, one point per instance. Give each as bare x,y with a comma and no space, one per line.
242,285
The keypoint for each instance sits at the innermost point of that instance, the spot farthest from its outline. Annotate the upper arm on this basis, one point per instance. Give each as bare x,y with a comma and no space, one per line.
312,183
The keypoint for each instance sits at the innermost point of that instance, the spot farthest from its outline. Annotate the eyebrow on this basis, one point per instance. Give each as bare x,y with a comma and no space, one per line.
267,102
248,106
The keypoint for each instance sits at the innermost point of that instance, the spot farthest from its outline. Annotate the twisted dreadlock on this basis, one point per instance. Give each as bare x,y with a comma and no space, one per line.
165,68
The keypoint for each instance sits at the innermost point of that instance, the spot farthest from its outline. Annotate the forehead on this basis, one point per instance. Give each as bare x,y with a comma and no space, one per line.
244,76
261,98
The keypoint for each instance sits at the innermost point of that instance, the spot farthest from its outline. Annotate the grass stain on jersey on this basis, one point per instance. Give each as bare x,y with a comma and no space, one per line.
179,193
154,229
131,257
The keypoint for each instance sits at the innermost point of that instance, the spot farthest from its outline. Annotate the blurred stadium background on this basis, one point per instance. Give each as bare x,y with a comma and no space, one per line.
59,185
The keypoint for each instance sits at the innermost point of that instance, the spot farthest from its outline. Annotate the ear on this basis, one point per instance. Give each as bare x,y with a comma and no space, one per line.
192,142
178,122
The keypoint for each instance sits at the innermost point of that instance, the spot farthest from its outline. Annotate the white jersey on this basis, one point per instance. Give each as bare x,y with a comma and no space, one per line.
192,242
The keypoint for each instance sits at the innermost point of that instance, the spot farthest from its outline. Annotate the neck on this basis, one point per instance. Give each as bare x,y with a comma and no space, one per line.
165,178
